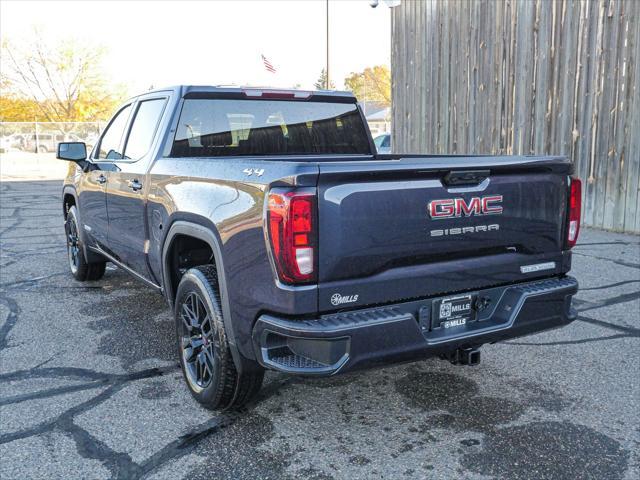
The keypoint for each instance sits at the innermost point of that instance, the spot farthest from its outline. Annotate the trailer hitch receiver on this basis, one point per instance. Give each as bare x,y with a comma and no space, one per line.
464,356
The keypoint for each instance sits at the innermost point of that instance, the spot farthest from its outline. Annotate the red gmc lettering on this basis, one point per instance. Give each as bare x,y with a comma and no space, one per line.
487,209
458,207
467,210
441,208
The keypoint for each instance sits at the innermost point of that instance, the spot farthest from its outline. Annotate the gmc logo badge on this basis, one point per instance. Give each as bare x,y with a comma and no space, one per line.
459,207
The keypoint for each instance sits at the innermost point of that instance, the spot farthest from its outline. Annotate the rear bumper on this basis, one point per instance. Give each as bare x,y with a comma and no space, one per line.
339,342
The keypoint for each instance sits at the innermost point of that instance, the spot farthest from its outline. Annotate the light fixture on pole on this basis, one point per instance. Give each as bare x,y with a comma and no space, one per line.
388,3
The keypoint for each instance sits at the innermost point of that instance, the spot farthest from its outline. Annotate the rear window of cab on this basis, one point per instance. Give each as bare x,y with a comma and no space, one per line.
231,127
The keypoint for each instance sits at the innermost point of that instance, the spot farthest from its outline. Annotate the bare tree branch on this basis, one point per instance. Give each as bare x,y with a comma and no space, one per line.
63,79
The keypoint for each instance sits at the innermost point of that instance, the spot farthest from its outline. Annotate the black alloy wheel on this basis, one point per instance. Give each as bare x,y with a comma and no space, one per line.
203,347
73,245
197,342
80,268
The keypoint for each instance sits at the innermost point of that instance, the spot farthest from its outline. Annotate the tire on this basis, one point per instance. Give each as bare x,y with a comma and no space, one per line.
80,268
203,348
43,149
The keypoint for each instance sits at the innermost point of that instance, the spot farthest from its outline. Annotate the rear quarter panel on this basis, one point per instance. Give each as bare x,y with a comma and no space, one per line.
219,194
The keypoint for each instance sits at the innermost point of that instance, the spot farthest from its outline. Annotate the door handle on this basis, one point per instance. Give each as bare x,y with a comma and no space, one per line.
101,179
135,185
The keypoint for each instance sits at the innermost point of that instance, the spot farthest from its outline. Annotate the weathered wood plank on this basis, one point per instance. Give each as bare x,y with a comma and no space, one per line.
617,168
604,150
632,203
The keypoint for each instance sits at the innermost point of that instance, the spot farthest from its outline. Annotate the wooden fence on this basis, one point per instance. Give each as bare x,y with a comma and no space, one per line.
525,77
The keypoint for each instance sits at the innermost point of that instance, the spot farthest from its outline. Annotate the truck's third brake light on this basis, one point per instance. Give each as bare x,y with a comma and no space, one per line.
292,233
276,94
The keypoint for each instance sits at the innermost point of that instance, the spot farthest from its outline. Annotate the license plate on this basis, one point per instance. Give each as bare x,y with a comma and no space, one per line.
453,311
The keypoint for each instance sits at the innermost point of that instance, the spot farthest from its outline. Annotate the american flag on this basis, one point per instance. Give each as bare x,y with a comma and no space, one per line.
267,65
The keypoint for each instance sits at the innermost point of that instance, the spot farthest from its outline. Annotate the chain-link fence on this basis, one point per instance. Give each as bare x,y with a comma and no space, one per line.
42,137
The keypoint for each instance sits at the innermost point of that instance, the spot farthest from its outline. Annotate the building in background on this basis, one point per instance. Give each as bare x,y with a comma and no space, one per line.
526,77
378,117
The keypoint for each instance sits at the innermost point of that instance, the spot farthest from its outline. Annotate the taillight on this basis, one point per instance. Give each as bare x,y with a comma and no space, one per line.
291,218
575,205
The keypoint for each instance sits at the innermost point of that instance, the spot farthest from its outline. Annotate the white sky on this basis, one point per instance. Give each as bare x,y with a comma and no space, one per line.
164,43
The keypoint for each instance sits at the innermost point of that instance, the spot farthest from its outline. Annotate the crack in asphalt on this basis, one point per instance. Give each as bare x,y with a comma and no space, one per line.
119,464
612,260
98,380
611,285
607,243
31,252
629,332
45,235
624,298
31,281
10,321
571,342
583,306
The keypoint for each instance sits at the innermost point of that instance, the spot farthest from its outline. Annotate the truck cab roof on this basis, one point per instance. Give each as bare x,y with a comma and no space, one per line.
236,91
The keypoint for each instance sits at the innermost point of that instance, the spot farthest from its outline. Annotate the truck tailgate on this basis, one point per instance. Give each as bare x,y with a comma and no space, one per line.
415,227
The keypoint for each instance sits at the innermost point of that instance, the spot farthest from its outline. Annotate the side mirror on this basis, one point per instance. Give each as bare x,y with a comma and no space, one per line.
72,151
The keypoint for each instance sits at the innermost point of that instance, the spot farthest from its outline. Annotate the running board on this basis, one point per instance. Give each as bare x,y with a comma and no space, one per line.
127,269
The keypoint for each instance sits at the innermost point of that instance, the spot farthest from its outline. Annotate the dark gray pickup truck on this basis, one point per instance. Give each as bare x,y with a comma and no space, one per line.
282,241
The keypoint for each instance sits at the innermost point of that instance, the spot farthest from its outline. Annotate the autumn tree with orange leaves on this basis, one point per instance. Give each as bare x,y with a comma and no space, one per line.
372,84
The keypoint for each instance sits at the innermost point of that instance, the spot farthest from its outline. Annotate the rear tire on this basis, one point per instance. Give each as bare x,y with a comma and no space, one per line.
203,347
80,268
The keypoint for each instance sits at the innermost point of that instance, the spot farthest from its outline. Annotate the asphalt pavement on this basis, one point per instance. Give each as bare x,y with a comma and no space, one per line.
90,386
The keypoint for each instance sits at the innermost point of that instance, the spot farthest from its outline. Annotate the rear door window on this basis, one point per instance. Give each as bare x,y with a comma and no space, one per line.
144,128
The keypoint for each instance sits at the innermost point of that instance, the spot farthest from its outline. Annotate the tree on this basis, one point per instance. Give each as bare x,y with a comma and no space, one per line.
63,80
372,84
14,109
321,83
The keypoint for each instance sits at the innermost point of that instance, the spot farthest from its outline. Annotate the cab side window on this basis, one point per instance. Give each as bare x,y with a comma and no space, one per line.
144,128
112,138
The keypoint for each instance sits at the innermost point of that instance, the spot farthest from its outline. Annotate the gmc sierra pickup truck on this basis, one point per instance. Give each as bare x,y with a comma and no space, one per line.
282,241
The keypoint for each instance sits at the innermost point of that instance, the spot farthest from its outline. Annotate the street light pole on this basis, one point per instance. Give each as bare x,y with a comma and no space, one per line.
327,66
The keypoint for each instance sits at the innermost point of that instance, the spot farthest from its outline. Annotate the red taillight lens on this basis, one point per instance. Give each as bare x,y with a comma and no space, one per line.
575,206
292,233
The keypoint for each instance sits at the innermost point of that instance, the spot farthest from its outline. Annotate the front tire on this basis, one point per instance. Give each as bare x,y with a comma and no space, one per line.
203,348
80,268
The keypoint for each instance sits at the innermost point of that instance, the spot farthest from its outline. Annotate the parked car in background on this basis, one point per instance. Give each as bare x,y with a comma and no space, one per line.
383,143
47,142
15,141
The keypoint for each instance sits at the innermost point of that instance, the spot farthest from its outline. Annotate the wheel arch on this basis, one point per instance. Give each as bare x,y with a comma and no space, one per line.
69,198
